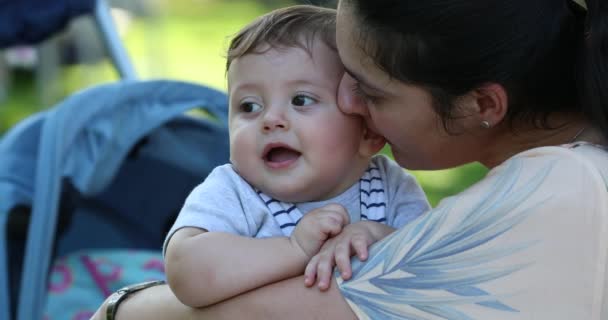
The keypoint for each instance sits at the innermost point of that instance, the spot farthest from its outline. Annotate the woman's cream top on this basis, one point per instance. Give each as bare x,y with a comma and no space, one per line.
529,241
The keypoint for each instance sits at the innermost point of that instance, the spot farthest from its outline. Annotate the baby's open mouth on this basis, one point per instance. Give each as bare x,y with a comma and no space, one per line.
280,155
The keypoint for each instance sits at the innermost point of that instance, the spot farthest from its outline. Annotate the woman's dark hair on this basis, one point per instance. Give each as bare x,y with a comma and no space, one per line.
550,55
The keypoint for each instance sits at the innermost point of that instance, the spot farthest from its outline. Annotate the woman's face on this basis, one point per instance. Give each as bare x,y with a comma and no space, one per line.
402,113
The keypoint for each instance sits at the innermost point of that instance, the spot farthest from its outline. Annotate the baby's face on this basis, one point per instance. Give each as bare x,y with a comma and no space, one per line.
288,138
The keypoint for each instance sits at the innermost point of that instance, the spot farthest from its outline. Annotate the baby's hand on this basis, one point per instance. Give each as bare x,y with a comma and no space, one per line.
317,226
353,240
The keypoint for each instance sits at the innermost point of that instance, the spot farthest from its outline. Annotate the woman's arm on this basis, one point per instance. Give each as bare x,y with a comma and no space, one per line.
288,299
529,241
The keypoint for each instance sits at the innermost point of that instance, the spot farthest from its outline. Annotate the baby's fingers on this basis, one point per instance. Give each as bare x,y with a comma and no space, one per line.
360,245
342,258
310,273
325,268
338,211
331,224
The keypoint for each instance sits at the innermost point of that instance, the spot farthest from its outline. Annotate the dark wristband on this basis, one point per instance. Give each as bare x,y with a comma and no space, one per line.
117,297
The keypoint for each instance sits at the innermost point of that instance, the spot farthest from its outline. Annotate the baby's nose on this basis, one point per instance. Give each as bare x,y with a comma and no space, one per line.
275,121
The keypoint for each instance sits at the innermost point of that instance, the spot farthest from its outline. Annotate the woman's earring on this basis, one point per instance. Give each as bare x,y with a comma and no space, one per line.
485,124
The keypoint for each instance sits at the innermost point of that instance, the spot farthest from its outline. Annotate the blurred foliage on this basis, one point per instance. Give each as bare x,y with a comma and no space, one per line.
179,39
184,40
442,183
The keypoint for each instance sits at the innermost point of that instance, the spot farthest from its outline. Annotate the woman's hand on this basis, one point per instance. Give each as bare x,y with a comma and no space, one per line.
353,240
317,226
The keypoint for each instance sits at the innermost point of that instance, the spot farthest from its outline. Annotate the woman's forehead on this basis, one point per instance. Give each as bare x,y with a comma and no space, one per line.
345,40
356,62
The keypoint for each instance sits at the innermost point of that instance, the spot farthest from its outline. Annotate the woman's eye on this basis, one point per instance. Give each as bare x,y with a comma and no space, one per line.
356,88
250,107
302,100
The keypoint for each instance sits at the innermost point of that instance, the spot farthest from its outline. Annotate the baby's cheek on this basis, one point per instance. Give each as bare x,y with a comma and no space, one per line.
242,149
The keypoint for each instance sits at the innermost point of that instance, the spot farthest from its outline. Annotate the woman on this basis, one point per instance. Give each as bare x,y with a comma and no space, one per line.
518,85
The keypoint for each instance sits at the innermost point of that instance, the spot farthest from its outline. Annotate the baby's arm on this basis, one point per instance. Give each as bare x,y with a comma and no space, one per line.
207,267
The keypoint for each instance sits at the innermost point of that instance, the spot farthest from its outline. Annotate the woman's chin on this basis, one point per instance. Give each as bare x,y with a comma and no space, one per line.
412,162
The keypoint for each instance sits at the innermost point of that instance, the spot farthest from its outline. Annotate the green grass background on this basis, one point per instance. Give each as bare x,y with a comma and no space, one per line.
186,40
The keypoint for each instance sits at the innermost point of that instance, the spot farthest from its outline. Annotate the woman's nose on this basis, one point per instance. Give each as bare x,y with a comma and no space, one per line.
348,100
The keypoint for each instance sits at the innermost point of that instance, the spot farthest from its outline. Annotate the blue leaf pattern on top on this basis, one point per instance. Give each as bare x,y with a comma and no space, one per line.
426,269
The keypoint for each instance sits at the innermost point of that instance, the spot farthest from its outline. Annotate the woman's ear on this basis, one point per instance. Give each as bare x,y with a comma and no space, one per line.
491,104
371,143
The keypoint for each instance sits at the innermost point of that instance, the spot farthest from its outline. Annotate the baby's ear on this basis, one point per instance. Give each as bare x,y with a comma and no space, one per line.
371,143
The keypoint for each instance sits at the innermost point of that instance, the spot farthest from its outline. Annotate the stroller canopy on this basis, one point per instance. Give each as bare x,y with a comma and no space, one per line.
123,156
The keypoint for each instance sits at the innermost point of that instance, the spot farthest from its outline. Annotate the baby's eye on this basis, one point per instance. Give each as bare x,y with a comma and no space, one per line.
249,107
302,100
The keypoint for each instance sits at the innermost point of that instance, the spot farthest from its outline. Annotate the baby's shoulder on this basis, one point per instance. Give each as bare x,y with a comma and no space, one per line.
225,181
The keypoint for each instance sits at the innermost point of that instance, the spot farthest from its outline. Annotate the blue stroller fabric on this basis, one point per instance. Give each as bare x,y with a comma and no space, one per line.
31,21
110,167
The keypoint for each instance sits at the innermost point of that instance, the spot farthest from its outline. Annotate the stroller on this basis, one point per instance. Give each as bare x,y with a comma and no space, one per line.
98,179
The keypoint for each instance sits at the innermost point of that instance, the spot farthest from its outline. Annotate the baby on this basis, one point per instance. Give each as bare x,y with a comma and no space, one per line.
300,168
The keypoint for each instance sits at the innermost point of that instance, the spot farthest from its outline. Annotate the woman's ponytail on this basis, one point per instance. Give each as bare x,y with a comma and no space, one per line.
593,67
